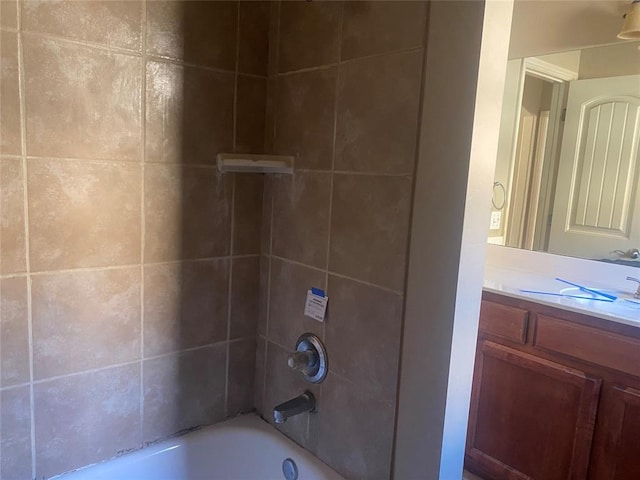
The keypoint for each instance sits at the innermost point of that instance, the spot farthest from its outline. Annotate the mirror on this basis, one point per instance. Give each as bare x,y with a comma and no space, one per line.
567,177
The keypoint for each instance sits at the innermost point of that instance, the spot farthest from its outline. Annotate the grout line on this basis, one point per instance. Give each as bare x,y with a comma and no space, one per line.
128,363
83,43
83,269
232,222
235,83
182,63
143,139
128,265
25,196
14,387
230,293
295,262
356,173
333,163
340,275
102,161
267,313
349,61
316,68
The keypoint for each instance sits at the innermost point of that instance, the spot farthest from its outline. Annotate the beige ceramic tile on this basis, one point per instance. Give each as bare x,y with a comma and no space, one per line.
247,212
81,102
13,254
267,209
250,114
15,441
187,213
83,214
8,13
84,320
301,217
305,117
274,27
355,430
282,384
242,363
112,23
189,116
90,417
373,27
378,103
253,46
245,297
270,114
203,33
14,332
362,320
369,228
10,137
263,307
184,390
258,392
185,305
309,34
288,292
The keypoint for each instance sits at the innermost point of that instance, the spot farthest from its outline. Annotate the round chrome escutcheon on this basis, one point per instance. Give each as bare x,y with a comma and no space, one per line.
290,469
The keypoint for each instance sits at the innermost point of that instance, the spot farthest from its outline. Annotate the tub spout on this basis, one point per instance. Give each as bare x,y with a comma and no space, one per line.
300,404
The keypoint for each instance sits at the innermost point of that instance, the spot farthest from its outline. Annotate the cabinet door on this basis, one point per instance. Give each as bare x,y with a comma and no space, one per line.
530,418
617,457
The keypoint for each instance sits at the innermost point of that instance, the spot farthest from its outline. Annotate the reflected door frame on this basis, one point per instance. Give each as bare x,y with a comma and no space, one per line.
541,176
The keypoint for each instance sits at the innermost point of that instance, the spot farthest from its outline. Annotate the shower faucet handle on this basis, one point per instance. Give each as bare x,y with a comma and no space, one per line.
309,358
303,362
633,279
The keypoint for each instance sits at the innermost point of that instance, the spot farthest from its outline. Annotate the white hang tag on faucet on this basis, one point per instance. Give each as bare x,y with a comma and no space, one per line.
316,305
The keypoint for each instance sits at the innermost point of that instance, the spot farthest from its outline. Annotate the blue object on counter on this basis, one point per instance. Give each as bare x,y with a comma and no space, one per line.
588,290
568,296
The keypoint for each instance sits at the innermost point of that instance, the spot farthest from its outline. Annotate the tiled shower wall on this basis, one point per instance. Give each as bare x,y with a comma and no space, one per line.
129,267
344,96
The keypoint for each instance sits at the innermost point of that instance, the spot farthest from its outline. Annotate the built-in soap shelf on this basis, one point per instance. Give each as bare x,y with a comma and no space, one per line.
255,163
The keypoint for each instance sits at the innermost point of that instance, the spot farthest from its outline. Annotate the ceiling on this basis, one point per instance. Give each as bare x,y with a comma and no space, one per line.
549,26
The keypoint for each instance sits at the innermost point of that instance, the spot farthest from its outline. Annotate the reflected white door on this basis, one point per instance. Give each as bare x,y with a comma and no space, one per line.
597,203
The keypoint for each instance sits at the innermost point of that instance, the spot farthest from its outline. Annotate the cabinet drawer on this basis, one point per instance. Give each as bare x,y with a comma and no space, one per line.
585,343
504,321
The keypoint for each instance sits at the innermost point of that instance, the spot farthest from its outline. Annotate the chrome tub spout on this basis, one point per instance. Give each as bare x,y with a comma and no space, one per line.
301,404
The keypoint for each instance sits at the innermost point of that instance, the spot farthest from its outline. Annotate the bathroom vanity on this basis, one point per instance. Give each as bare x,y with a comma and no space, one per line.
556,394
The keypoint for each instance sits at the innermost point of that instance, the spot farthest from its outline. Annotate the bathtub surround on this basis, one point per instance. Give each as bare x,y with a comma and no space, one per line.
137,276
344,96
129,268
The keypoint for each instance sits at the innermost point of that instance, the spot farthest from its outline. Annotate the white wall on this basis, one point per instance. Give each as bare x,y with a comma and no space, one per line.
550,26
456,161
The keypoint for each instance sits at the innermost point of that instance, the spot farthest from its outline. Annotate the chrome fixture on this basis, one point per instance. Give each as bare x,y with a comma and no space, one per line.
289,469
310,358
633,279
301,404
632,253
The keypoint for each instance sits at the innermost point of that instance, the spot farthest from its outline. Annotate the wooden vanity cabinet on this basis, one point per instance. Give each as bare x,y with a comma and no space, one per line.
556,395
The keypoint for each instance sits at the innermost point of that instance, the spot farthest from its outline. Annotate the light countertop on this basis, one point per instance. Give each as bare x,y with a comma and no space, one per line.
507,277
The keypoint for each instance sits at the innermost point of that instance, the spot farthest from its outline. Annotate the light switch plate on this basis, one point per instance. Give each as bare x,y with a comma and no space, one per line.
496,217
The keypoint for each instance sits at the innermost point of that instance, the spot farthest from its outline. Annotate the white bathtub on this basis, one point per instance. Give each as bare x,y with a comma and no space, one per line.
244,448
